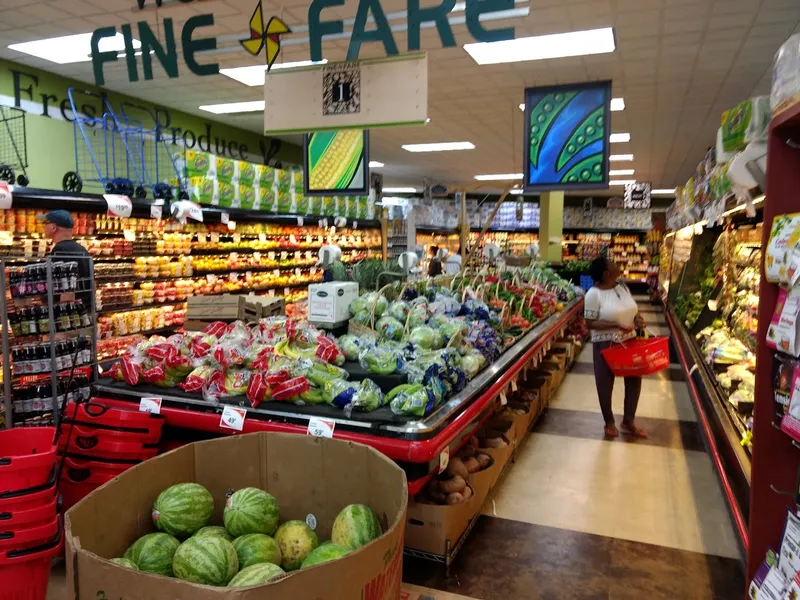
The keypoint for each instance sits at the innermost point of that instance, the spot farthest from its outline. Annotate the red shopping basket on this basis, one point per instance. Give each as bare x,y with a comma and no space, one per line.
27,457
638,357
24,574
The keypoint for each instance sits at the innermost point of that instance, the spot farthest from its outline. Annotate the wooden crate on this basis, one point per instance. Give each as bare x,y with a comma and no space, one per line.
230,307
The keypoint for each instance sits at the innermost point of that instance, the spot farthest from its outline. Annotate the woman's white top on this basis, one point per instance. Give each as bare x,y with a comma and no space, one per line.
452,264
616,306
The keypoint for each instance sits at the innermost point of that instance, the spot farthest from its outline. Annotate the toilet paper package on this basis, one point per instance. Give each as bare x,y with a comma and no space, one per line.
746,122
786,75
722,155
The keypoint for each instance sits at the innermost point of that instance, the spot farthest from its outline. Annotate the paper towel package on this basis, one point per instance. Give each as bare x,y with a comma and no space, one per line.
786,75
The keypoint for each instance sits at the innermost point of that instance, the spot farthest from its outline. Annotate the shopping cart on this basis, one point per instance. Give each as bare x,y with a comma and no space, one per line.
13,146
103,152
159,162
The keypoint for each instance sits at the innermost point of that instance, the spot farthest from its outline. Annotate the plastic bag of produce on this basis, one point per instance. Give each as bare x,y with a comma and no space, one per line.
127,371
415,400
418,315
236,382
290,387
390,328
339,392
321,372
328,351
352,345
358,305
362,318
258,357
368,397
258,390
157,375
227,354
217,329
198,378
399,310
472,363
425,337
380,360
379,302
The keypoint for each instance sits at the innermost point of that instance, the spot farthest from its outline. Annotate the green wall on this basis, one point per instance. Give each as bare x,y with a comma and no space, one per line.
50,140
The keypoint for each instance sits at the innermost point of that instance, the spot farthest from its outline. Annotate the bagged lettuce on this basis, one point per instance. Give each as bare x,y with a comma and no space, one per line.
390,328
425,337
399,310
418,315
381,360
414,400
368,397
352,345
358,305
379,302
339,392
472,363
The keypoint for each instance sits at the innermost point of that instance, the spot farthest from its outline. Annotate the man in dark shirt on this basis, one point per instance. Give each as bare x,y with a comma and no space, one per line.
58,226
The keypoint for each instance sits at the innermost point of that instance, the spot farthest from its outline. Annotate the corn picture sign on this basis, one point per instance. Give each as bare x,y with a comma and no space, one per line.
336,163
262,33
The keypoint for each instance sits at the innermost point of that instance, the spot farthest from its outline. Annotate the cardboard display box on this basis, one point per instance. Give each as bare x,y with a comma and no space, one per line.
413,592
501,457
569,349
430,527
230,307
308,476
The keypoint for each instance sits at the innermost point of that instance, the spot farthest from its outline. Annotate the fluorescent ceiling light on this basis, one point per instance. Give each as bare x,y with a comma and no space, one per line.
439,147
621,181
515,191
234,107
374,164
540,47
71,48
522,107
255,75
621,157
619,137
617,104
664,192
499,177
619,172
400,190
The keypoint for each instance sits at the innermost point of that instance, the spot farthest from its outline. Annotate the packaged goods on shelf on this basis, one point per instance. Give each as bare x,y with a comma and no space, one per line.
786,75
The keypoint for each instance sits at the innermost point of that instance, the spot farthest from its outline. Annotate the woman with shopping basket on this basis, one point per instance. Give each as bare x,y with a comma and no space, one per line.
612,316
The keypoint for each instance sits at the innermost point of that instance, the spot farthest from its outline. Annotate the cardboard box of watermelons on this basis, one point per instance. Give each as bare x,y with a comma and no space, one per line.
311,478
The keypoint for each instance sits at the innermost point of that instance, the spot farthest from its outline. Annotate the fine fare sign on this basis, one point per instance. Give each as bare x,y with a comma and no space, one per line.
262,35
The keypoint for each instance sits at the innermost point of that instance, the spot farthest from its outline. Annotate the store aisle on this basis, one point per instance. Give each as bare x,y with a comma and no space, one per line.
581,516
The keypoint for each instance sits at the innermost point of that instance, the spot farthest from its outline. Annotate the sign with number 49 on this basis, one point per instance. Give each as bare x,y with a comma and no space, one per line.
233,418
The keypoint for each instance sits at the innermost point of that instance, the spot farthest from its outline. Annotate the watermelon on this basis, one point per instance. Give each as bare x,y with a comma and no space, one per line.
325,553
355,526
251,510
182,509
256,575
210,560
253,548
153,553
296,541
213,530
125,562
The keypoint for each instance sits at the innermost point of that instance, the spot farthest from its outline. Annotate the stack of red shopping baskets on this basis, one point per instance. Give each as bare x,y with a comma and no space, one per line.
30,526
101,443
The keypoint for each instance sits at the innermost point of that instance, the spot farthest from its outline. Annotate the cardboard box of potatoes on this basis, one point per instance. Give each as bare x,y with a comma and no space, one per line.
314,518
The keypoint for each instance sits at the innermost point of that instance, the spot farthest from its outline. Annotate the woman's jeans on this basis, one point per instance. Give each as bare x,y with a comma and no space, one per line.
604,379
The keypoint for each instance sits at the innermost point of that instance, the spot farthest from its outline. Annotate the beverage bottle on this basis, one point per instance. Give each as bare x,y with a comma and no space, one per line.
30,315
40,279
74,316
83,311
72,274
42,319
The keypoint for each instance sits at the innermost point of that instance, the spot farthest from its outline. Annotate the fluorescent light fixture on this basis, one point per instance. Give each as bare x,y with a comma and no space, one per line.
255,75
374,164
439,147
617,104
515,191
616,138
663,192
499,177
400,190
540,47
621,172
621,157
742,207
621,181
71,48
234,107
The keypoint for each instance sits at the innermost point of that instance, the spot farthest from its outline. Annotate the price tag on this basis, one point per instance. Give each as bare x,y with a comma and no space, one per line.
355,224
234,256
271,255
284,255
202,238
299,221
271,293
232,418
118,205
224,218
297,255
257,256
262,237
297,271
231,225
233,277
292,239
248,275
128,235
313,270
309,256
503,399
311,521
514,385
211,278
276,272
156,210
6,197
237,238
215,237
321,427
308,239
194,211
444,459
320,239
150,405
286,291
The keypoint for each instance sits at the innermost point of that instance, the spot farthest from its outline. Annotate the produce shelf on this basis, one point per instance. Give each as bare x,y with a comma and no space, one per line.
414,443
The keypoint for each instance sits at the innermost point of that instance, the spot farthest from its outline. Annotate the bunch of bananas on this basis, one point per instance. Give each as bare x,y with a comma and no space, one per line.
284,348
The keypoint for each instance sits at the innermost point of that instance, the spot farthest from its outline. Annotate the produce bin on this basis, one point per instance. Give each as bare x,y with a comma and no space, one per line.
312,478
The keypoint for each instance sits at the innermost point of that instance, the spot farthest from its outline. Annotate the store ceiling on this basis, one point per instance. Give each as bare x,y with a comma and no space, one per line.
678,65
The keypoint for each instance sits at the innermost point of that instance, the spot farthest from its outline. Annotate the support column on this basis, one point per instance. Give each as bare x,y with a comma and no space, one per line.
551,226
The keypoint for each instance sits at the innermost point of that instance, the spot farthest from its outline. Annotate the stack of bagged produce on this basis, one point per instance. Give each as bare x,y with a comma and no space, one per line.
250,547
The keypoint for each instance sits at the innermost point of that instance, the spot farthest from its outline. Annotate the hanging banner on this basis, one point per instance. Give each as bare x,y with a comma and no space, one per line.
336,163
637,195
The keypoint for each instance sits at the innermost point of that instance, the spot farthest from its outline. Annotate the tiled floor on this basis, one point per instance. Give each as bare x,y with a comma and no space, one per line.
582,516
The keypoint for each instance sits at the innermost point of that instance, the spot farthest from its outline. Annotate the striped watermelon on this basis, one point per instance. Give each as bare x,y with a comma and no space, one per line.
253,548
182,509
125,562
153,553
213,530
296,541
325,553
355,526
256,575
251,510
209,560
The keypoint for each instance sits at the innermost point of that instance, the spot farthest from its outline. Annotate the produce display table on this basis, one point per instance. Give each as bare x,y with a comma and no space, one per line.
415,444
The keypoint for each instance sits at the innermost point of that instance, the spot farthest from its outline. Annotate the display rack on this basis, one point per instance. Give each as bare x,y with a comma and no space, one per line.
630,250
48,338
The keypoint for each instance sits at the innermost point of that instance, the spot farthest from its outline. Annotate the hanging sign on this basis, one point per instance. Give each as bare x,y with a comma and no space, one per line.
118,205
637,195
